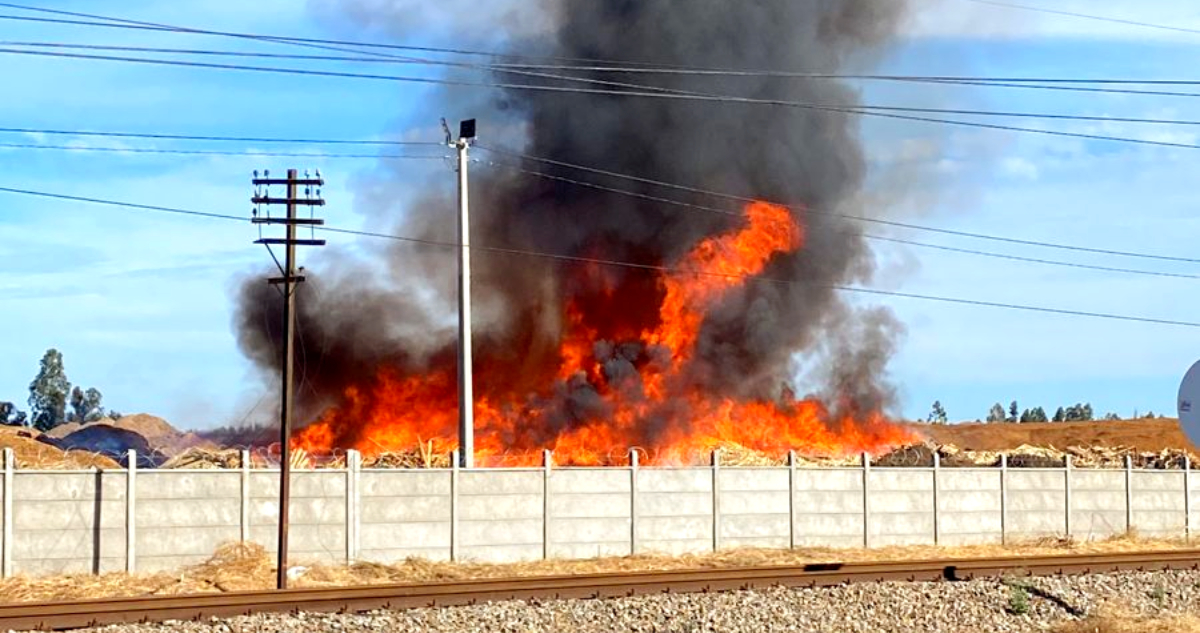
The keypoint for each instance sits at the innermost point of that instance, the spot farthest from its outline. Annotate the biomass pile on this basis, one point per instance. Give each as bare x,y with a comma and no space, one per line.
1128,602
30,451
247,566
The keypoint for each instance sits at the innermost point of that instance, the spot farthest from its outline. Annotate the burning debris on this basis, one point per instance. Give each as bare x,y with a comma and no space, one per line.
679,354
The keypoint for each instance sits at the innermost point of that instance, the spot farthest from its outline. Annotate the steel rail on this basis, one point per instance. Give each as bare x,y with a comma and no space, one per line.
85,613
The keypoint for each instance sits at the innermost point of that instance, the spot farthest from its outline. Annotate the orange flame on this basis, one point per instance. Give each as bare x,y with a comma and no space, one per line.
657,407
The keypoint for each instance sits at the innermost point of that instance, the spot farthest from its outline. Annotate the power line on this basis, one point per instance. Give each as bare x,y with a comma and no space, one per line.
1086,16
598,64
734,214
1031,260
232,139
747,199
1058,84
865,110
638,90
200,152
856,108
631,265
603,188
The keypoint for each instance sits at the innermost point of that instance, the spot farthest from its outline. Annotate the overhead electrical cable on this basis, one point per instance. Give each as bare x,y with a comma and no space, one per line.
1058,84
6,46
734,214
201,152
540,174
748,199
232,139
597,64
626,264
636,89
557,163
608,93
1087,16
121,150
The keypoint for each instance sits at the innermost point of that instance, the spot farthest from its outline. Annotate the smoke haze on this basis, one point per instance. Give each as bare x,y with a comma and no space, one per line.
397,311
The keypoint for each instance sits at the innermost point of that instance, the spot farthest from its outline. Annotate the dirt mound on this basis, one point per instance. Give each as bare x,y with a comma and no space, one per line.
1138,435
144,424
112,442
31,450
152,437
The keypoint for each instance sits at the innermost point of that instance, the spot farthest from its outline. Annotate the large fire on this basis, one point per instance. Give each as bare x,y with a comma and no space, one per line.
626,376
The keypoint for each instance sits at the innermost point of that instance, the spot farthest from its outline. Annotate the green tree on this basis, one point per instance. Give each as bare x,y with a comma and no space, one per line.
9,414
1013,410
86,405
1060,415
48,392
1037,414
996,413
938,414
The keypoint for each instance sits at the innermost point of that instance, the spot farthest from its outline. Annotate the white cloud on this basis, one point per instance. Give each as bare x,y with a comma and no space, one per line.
1019,168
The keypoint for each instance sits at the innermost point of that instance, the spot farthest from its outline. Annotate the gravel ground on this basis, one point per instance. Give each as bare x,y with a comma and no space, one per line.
984,605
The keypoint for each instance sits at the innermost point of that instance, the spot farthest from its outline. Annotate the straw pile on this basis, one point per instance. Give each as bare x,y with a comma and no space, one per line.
203,458
1115,620
248,566
423,456
30,452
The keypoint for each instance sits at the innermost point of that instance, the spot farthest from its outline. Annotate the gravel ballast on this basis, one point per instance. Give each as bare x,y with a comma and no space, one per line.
1000,605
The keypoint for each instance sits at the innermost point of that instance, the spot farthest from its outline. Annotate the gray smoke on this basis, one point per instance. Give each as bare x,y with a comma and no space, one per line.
360,318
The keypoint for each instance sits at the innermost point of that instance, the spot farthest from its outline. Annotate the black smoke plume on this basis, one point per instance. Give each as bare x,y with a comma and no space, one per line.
398,310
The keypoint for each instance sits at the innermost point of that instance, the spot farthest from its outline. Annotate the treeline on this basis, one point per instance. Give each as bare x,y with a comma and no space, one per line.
54,401
1079,412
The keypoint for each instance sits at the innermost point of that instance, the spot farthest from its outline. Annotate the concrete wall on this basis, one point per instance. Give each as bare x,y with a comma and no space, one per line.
76,521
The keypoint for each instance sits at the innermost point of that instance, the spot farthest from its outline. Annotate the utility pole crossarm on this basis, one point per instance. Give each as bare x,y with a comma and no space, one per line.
290,200
297,221
279,241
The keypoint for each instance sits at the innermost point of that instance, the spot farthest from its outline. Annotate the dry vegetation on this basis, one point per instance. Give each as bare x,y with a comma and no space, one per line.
1122,621
247,566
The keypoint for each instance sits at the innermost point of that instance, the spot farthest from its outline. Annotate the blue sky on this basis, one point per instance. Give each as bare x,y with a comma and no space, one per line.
140,303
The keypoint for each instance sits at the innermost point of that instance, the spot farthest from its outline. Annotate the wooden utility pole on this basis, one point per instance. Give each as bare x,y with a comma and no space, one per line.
288,281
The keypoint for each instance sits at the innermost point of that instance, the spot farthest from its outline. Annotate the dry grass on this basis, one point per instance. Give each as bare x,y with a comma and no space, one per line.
242,567
1113,620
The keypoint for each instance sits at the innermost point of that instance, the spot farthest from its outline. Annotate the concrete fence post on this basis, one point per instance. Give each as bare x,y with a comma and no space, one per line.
454,506
866,499
1067,494
1004,499
633,501
353,504
245,466
131,468
1187,498
937,527
792,499
6,539
716,500
547,465
1128,493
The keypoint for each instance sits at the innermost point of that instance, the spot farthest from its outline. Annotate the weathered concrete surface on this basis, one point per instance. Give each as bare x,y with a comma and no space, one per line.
75,521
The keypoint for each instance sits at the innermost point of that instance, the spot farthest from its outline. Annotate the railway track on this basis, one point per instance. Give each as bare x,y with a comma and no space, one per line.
84,613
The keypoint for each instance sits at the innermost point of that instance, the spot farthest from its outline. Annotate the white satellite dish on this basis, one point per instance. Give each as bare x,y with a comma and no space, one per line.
1189,404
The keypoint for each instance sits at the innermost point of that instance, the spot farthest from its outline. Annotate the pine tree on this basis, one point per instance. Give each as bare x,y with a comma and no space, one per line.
48,392
1012,411
996,413
938,414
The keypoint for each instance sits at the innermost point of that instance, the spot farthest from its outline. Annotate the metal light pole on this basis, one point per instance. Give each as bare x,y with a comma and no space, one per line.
466,397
